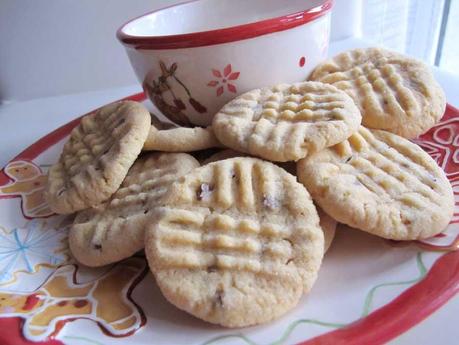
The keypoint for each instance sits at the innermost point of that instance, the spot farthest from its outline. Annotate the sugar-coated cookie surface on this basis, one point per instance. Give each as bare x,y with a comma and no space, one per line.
393,92
237,242
115,230
381,183
288,121
97,156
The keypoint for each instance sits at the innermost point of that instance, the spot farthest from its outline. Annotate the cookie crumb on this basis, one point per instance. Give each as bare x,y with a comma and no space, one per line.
431,177
270,202
212,268
219,297
205,192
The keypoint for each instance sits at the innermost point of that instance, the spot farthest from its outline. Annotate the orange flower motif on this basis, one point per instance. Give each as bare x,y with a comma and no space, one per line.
223,79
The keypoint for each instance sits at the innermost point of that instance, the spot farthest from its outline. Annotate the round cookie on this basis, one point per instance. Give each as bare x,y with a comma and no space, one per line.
97,156
115,230
287,122
381,183
393,92
328,225
180,139
237,242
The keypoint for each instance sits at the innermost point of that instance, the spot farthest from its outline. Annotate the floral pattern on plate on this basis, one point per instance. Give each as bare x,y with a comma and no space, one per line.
39,243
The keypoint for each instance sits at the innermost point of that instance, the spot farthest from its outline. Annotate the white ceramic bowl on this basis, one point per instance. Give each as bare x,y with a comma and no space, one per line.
194,57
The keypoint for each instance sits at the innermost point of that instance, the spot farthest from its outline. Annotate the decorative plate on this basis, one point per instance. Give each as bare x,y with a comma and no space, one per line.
369,290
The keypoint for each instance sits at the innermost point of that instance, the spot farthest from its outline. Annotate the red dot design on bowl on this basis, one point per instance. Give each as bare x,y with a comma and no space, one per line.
302,61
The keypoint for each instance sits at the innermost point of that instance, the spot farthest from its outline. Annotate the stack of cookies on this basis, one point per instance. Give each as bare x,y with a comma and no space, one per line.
236,238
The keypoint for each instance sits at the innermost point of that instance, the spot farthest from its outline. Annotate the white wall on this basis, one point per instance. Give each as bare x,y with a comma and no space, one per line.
52,47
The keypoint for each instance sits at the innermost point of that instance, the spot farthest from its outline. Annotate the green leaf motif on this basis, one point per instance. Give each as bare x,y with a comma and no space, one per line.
367,306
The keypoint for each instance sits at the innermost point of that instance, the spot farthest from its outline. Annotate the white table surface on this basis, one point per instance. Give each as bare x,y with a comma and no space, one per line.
23,123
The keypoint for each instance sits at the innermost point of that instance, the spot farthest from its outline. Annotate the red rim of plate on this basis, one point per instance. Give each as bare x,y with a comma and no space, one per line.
380,326
224,35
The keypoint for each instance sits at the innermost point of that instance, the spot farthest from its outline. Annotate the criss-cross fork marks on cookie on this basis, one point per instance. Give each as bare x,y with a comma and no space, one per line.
378,86
92,140
393,92
242,184
390,186
97,156
193,239
287,122
99,235
389,172
129,202
293,106
237,242
133,198
238,214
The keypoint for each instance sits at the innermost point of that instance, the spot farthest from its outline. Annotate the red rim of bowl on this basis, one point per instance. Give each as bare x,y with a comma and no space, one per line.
224,35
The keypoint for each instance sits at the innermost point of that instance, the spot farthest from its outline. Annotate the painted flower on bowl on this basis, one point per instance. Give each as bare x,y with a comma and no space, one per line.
223,79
